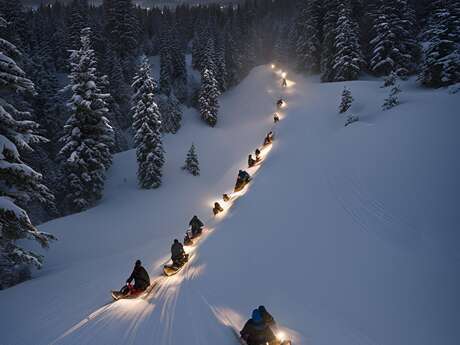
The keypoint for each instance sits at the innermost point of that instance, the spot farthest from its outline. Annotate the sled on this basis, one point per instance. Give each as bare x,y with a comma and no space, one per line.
170,270
240,185
192,240
118,295
276,342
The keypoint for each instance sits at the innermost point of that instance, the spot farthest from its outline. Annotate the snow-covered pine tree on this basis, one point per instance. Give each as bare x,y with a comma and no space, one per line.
197,52
20,183
393,98
149,146
171,113
330,8
88,136
308,40
143,81
393,44
233,63
165,72
351,119
221,67
191,162
441,65
77,21
390,80
208,98
348,58
121,26
347,100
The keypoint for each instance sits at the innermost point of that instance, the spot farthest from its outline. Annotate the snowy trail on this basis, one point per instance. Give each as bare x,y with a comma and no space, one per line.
348,235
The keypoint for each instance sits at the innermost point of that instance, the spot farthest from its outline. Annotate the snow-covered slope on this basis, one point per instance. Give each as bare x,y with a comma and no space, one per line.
347,235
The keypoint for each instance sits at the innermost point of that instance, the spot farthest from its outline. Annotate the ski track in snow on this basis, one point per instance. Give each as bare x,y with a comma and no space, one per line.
210,299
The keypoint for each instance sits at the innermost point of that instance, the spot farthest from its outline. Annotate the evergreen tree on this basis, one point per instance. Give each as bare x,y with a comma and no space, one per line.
233,63
149,147
143,81
191,162
208,98
122,26
78,21
165,70
393,98
441,65
144,89
308,38
347,100
20,183
393,47
221,68
330,8
88,136
348,57
171,113
390,80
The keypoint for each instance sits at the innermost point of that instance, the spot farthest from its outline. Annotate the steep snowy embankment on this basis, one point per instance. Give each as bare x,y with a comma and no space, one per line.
348,235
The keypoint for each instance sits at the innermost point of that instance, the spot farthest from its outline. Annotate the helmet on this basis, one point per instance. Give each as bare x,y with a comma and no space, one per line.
138,262
176,240
262,309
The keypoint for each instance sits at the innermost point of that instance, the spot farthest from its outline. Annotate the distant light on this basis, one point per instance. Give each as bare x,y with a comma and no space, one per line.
273,66
284,74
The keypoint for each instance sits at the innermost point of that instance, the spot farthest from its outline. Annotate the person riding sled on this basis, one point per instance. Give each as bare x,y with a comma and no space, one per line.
217,209
257,332
268,139
258,158
141,282
242,180
280,103
266,316
178,255
196,226
251,161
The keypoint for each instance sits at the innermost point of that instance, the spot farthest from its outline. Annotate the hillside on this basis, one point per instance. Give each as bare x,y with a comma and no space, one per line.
349,235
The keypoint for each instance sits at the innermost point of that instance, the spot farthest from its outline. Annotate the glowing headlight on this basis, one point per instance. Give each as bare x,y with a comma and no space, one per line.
284,74
281,336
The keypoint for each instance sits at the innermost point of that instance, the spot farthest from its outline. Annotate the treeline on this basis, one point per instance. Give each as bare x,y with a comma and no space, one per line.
342,39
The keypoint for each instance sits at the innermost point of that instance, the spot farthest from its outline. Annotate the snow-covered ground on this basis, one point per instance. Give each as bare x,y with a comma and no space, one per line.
348,235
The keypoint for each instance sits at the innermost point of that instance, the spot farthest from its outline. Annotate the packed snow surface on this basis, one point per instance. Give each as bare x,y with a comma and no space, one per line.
348,235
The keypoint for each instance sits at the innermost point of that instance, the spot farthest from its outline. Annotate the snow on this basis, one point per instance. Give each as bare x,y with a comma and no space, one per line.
349,235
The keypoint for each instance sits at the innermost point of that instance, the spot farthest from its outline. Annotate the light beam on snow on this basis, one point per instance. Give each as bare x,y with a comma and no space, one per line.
228,317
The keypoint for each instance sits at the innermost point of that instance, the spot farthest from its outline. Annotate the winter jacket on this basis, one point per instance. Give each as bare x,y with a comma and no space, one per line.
244,176
267,317
141,278
196,224
257,333
177,251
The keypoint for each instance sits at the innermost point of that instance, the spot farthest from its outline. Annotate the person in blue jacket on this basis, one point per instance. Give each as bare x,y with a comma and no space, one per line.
256,331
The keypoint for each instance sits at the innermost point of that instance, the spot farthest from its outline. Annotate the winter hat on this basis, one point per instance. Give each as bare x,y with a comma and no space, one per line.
262,309
256,317
138,262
